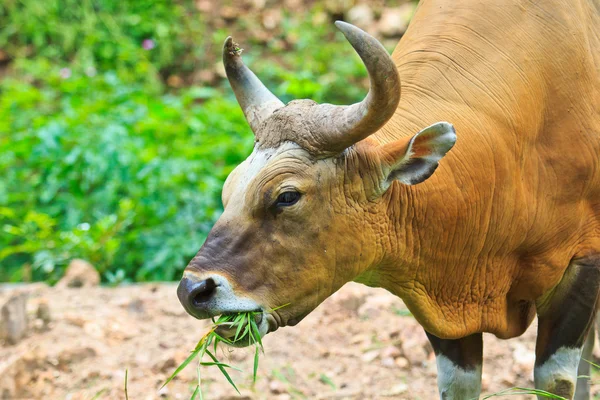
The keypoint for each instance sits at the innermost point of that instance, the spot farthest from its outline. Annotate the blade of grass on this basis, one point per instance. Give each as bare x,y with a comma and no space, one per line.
126,394
256,334
223,371
188,360
196,392
519,390
255,365
218,363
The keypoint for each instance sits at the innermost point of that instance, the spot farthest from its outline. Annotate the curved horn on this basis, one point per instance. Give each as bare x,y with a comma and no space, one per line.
256,100
339,127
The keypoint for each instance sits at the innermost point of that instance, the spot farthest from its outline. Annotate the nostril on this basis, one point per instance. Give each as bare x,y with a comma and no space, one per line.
203,292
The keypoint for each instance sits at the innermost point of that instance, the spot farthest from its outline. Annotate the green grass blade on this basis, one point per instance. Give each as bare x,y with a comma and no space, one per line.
223,371
277,308
593,364
196,392
218,363
519,390
126,394
255,365
184,364
240,325
256,334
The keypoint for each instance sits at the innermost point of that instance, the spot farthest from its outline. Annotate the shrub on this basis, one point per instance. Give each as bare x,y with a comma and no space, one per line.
96,169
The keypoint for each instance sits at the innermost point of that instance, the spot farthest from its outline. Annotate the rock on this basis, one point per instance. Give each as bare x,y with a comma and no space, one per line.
229,13
205,6
13,315
338,7
271,19
136,306
401,362
74,319
79,273
165,365
394,21
391,352
43,311
71,356
350,300
277,387
370,356
396,390
361,15
17,372
388,362
175,81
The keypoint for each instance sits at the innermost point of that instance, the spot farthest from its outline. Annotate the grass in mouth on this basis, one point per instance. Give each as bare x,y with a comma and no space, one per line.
246,330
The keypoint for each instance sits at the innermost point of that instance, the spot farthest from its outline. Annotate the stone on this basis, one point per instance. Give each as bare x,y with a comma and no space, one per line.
338,7
79,273
271,19
370,356
14,321
396,390
401,362
74,355
277,387
361,15
43,311
388,362
165,365
349,299
394,21
391,352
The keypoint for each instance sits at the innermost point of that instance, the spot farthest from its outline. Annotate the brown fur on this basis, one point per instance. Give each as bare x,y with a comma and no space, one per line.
473,247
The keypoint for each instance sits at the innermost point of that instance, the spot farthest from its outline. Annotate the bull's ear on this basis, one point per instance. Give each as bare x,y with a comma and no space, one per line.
413,160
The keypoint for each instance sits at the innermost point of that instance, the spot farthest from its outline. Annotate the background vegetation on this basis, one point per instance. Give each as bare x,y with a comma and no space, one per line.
117,128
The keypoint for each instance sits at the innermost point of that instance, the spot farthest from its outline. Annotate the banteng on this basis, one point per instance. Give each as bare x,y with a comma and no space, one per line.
478,234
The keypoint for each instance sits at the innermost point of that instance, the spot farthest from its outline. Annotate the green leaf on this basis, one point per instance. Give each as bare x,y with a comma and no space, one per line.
255,365
186,362
196,392
222,369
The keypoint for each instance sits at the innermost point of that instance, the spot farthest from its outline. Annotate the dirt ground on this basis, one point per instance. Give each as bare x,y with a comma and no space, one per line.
360,344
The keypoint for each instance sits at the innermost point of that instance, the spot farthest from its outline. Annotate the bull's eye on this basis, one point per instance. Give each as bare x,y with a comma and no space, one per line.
286,199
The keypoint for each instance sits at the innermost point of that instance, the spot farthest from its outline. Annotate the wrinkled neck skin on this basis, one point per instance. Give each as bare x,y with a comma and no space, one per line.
453,245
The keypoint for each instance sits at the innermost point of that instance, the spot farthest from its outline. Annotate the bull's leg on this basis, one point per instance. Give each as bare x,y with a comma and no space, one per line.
459,366
565,318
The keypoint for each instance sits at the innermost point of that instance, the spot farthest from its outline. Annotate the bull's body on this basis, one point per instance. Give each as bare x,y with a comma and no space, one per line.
518,197
507,228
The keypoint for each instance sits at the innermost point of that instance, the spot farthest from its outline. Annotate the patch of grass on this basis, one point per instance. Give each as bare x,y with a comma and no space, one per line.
514,391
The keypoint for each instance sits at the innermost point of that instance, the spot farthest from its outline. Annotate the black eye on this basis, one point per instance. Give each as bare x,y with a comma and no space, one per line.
287,199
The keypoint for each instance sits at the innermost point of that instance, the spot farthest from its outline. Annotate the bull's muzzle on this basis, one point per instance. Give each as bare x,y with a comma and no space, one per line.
206,296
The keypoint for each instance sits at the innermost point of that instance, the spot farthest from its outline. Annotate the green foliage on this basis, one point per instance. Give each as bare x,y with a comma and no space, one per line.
105,34
99,161
128,180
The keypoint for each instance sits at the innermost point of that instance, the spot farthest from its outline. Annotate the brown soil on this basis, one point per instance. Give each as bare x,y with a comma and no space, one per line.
360,344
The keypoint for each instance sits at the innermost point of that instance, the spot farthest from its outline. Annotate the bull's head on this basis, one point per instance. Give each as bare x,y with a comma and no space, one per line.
308,210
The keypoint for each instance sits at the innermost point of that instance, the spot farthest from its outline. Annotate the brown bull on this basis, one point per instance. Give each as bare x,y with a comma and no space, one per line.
506,228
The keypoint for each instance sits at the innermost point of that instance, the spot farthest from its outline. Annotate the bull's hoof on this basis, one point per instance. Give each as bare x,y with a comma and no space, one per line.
562,387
